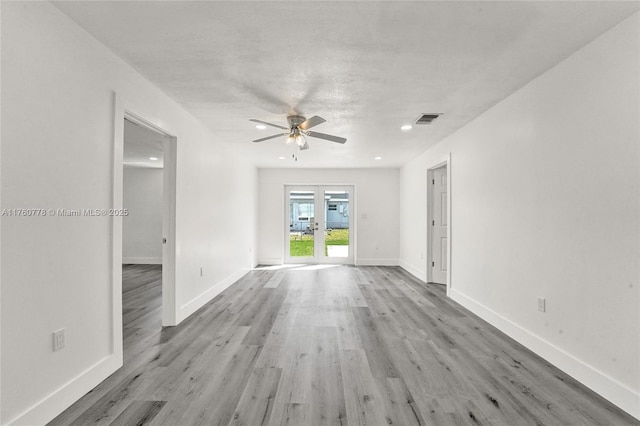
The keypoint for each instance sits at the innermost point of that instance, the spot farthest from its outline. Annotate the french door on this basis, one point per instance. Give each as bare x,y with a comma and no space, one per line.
319,224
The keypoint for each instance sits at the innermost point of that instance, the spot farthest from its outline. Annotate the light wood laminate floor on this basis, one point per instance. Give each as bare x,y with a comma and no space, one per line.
327,346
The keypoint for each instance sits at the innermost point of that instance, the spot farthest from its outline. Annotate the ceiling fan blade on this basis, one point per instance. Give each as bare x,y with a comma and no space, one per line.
311,122
331,138
271,137
268,124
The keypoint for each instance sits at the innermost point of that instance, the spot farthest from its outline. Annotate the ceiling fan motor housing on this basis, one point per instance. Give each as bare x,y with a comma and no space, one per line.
296,120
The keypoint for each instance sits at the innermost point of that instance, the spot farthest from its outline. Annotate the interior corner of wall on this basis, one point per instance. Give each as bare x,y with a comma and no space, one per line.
415,271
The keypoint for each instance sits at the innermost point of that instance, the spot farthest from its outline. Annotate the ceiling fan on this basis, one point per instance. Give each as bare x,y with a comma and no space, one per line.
299,128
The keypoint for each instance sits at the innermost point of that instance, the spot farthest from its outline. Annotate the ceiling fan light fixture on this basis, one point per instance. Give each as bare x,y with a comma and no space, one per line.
296,137
298,130
300,140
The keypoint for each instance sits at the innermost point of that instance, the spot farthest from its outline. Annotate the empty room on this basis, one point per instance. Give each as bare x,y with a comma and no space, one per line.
320,213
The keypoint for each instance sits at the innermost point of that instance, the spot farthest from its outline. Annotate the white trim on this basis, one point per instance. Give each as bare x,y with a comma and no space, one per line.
358,262
137,119
57,401
376,262
416,272
142,261
116,230
606,386
444,161
169,185
271,261
199,301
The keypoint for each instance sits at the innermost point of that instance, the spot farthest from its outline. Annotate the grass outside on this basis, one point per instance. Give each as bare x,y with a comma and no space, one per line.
302,246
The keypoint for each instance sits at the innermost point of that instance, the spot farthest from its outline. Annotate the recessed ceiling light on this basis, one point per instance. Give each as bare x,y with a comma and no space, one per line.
406,127
153,158
282,158
260,126
377,158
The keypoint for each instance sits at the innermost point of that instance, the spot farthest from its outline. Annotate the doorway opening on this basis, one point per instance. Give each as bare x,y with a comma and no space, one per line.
143,192
319,224
124,117
439,224
149,191
143,181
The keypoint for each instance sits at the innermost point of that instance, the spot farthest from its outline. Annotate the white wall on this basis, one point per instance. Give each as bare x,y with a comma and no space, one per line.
58,87
546,202
376,210
142,226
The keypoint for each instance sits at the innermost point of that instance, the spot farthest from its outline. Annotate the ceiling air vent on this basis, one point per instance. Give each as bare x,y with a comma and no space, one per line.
427,118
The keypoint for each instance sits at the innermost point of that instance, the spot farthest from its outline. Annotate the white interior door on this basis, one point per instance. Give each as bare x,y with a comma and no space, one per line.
439,226
319,224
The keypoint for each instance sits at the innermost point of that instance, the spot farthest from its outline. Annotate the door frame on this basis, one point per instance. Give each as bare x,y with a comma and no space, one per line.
123,109
441,162
320,259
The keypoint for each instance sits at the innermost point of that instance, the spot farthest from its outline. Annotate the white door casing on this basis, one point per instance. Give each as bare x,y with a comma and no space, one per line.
315,218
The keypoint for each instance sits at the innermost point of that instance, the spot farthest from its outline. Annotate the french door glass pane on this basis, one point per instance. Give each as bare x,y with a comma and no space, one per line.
336,229
302,223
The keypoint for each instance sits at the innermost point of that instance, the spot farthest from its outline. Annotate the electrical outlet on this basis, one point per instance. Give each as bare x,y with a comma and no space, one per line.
542,304
58,339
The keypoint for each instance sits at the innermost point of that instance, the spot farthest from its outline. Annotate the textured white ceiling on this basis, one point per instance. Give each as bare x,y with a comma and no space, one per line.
366,67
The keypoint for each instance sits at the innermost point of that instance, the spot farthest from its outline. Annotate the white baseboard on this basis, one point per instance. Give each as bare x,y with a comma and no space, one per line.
59,400
359,262
416,272
199,301
271,261
376,262
142,260
609,388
